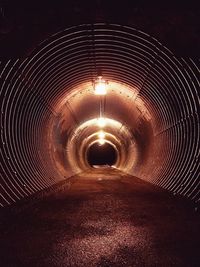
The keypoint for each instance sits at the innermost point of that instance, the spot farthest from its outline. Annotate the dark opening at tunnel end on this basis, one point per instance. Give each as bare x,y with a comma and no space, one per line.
101,155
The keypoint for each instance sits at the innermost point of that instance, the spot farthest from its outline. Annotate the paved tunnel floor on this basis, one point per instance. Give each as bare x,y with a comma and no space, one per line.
104,219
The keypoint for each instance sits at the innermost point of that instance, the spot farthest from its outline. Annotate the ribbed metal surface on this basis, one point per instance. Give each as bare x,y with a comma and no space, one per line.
32,88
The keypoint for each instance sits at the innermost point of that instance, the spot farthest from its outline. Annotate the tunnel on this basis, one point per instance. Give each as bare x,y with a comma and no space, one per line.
101,154
50,112
100,133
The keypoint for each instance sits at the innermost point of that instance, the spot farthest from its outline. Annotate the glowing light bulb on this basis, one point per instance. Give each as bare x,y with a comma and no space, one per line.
101,135
101,141
100,86
101,122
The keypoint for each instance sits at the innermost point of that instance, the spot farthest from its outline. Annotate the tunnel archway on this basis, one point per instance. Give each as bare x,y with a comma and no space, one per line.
47,96
101,154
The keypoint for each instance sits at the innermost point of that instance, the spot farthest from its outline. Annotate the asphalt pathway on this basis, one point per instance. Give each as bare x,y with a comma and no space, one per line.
105,218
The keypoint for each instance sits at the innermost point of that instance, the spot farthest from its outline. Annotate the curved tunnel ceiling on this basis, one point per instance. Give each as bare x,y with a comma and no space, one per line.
49,110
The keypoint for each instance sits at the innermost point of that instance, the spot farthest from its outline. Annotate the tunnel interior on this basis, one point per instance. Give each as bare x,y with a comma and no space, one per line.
99,133
50,112
101,154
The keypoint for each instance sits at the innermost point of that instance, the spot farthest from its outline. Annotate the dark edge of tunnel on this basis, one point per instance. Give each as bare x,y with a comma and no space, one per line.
25,203
28,23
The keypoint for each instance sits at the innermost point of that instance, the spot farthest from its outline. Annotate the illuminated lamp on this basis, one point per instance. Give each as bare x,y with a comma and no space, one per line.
100,86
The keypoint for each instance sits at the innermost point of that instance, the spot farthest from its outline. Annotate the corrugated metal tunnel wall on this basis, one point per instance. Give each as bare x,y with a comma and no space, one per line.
32,88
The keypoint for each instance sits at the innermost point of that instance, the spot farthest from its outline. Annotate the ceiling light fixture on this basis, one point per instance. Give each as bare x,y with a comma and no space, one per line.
100,86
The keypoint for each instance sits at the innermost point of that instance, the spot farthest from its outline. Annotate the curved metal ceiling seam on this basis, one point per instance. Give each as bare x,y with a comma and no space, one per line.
5,125
4,201
27,155
182,182
7,180
61,68
177,166
5,195
6,140
27,158
170,91
37,130
11,133
167,153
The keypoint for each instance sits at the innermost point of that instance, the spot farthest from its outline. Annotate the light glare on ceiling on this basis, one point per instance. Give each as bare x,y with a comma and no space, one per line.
101,135
101,141
101,122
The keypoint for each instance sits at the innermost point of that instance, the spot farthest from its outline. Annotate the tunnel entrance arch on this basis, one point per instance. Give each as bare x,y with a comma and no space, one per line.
98,154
